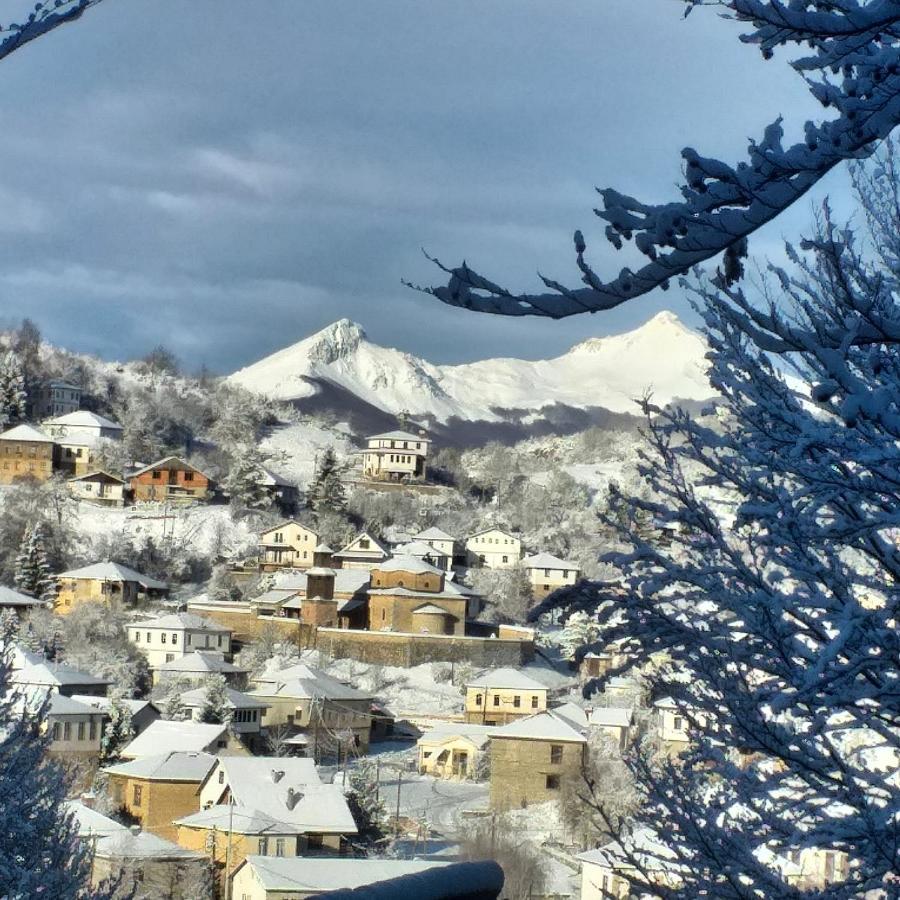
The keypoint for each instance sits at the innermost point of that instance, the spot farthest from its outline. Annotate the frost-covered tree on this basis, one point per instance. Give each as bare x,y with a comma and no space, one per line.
579,630
244,482
366,806
216,709
222,586
776,597
119,729
507,593
13,396
32,568
849,56
326,492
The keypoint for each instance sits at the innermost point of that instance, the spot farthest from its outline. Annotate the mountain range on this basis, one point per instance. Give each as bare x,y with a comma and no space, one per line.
340,367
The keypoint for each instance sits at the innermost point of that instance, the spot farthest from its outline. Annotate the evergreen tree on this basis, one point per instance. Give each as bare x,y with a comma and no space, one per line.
366,806
222,587
32,569
13,396
326,493
216,709
244,482
119,729
579,630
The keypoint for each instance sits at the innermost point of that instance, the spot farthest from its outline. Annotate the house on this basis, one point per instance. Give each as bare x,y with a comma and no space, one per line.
56,398
604,870
595,664
18,602
170,480
92,825
104,582
674,724
395,456
154,866
292,878
196,667
493,548
143,712
26,452
548,573
427,553
414,597
815,869
75,728
59,678
615,722
453,750
316,705
276,807
365,551
176,635
282,493
78,435
287,545
444,543
158,788
246,712
165,735
98,487
498,696
531,759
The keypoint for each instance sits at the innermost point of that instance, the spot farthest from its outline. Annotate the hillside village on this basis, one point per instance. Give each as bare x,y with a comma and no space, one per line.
279,657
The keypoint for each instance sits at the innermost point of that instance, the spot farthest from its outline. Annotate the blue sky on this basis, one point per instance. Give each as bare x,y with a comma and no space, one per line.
226,178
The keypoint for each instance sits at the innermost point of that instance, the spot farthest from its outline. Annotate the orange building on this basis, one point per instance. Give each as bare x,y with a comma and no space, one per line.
169,479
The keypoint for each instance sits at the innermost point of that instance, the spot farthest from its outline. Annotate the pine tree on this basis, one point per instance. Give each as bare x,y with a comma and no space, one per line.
119,729
32,569
326,493
580,629
216,709
367,808
13,396
244,482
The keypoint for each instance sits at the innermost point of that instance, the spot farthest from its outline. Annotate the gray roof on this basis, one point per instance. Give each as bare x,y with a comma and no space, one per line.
144,845
304,682
542,726
54,674
10,597
177,765
200,662
346,581
26,433
434,534
430,609
83,418
233,699
60,705
112,571
181,620
548,561
165,736
104,703
98,475
304,874
239,819
513,679
611,716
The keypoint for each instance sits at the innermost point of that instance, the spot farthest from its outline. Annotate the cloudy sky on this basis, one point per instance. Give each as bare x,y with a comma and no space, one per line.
226,178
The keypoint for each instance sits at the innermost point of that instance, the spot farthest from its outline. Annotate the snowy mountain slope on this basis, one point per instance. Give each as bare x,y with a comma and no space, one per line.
662,355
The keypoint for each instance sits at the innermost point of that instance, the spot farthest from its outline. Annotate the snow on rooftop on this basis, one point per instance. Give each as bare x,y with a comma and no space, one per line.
183,620
410,564
304,682
547,561
83,418
433,534
174,765
10,597
53,674
233,699
165,736
611,716
199,662
143,845
542,726
112,571
26,433
506,677
313,875
92,824
399,436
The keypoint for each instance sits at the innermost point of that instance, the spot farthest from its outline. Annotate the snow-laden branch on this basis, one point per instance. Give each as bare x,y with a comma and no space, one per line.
44,17
854,69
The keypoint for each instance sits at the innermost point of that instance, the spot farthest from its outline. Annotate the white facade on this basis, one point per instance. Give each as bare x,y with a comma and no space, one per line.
288,545
75,728
98,487
173,637
396,456
494,549
442,542
82,427
548,573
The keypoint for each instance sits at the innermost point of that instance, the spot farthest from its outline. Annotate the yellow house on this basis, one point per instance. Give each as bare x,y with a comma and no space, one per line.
549,573
604,871
26,452
289,545
498,696
453,750
494,548
104,582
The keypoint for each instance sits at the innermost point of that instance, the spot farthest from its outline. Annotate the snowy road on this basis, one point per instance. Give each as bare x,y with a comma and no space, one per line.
438,802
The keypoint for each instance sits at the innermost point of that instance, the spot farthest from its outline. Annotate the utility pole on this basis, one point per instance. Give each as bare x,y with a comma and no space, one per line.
399,785
377,780
228,847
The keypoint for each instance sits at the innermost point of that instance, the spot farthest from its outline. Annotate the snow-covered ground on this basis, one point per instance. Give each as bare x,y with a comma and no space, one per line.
294,448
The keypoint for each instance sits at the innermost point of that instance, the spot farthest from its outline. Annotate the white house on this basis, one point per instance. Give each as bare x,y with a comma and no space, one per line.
613,721
196,667
246,711
176,635
425,552
444,543
494,548
363,552
547,573
98,487
75,727
247,778
674,724
604,870
396,456
82,427
170,736
289,544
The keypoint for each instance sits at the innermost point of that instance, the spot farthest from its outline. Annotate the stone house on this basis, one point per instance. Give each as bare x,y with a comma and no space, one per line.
365,551
156,789
548,573
395,456
26,452
493,548
176,635
104,582
98,487
56,398
195,668
532,758
153,866
453,750
289,545
170,480
499,696
411,596
443,543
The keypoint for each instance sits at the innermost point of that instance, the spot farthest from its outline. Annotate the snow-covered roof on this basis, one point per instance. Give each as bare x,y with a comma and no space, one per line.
302,681
180,463
111,571
575,715
434,534
165,736
415,548
547,561
174,765
399,436
271,479
103,704
611,716
10,597
82,418
504,531
643,843
92,824
323,548
52,674
541,726
284,524
411,564
61,705
98,475
26,433
430,609
240,820
346,581
513,679
479,735
143,845
233,699
308,875
352,550
184,620
200,662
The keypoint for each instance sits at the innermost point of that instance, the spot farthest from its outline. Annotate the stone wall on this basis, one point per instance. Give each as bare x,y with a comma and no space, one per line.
241,618
522,769
405,650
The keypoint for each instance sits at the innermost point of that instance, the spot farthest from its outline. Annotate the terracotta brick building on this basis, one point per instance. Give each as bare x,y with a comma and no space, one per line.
26,452
170,479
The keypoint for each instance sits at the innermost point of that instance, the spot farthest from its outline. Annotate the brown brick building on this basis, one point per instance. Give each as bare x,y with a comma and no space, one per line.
169,479
532,758
26,452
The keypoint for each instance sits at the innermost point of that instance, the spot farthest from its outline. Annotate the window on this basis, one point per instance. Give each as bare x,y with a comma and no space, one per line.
279,537
137,637
149,635
93,733
221,776
220,640
517,701
57,731
279,846
81,731
546,573
136,796
496,699
506,559
556,753
534,702
679,723
263,846
67,731
546,587
188,476
157,475
478,699
162,638
174,638
553,782
188,639
364,543
170,657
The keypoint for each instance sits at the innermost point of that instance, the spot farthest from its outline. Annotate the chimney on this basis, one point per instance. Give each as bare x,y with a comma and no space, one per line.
135,830
277,775
293,798
88,800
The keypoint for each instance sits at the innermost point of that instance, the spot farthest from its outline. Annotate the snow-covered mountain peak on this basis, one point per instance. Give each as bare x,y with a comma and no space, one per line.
340,339
655,335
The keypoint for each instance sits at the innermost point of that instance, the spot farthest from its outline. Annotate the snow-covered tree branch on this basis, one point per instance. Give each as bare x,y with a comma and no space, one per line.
42,18
853,69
